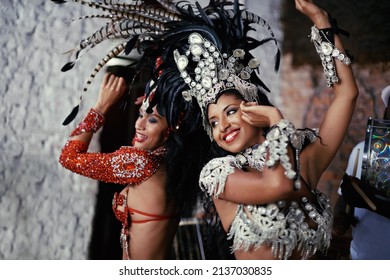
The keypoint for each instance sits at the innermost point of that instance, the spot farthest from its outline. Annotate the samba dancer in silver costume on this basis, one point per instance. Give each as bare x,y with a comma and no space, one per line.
264,189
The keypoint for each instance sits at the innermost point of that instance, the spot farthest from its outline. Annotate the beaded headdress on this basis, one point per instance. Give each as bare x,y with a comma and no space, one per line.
203,50
214,72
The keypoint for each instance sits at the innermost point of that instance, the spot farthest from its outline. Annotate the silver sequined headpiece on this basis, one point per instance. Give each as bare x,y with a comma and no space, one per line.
214,72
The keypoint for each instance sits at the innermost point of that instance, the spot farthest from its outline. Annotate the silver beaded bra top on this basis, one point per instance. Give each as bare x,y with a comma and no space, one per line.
304,225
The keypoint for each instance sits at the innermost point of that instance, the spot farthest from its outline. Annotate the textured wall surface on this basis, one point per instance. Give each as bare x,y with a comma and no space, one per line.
45,210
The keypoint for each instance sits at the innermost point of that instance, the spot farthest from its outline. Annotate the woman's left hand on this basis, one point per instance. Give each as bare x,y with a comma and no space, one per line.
258,115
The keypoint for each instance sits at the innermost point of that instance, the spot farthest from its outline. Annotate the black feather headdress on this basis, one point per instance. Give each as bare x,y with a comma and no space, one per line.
158,28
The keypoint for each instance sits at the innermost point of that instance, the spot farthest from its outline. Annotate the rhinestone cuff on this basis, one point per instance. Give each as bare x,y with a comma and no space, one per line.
91,123
328,53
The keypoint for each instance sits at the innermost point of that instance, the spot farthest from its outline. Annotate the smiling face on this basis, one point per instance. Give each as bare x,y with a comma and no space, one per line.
150,130
229,130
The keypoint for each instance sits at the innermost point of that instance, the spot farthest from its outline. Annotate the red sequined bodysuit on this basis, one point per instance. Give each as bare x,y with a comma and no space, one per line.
128,166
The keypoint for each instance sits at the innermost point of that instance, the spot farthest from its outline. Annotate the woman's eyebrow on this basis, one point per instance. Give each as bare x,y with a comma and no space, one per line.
224,110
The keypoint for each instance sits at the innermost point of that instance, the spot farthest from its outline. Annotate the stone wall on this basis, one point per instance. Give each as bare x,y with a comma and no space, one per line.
45,210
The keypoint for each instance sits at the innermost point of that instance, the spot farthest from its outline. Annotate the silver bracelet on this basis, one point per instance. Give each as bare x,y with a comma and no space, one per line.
328,53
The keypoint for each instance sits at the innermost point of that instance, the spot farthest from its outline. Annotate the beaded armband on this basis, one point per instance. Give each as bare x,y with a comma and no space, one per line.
91,123
324,43
277,141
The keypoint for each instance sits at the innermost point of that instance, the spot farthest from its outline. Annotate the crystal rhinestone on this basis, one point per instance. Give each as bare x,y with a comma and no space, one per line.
207,44
283,123
212,49
238,53
197,70
273,134
223,74
206,82
198,86
196,50
187,80
262,210
186,95
280,216
205,72
195,38
308,207
299,216
241,159
287,165
326,48
281,203
312,214
290,174
254,63
295,141
245,75
335,52
270,162
341,57
182,62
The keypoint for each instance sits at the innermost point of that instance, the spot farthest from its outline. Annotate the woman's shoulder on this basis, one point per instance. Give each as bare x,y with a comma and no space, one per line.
214,174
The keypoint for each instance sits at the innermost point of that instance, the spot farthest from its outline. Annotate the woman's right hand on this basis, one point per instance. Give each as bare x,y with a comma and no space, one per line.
111,90
260,116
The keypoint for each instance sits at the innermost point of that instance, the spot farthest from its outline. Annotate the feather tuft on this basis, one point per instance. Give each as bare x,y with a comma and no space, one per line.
59,1
71,116
67,66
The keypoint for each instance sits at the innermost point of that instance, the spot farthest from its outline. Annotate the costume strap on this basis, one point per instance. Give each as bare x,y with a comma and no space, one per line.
91,123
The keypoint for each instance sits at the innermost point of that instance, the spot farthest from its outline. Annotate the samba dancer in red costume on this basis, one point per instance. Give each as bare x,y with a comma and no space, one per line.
149,214
160,171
